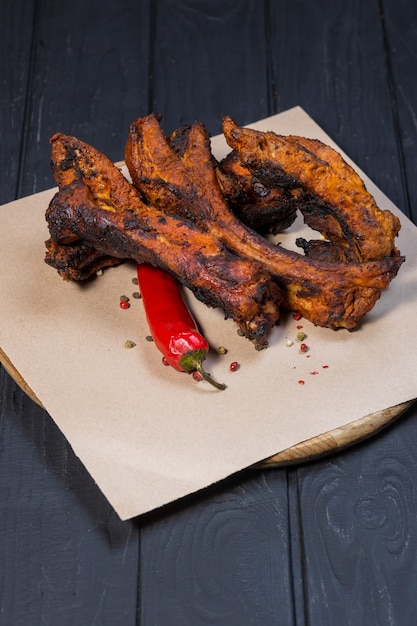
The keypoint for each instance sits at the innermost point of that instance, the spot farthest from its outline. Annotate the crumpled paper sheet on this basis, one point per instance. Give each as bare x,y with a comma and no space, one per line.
149,435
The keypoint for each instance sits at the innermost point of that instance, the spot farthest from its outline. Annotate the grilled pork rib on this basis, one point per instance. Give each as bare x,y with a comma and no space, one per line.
180,177
266,209
334,199
97,218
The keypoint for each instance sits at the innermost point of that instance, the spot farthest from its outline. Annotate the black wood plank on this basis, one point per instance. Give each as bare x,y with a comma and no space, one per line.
210,59
400,21
357,508
223,558
352,540
358,514
65,556
89,78
16,19
329,58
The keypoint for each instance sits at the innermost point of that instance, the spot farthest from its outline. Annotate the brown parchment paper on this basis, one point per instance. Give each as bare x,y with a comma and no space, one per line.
150,435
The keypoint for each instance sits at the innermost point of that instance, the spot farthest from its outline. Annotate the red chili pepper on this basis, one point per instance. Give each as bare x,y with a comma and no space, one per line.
171,324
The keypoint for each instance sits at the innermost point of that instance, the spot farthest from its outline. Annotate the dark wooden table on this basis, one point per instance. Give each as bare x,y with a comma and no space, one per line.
329,542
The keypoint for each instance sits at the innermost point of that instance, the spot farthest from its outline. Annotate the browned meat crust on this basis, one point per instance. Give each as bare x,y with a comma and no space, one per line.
328,293
322,250
266,209
98,218
335,200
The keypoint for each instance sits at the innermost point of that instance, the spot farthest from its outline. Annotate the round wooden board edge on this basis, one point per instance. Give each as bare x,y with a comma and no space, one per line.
314,448
337,439
12,371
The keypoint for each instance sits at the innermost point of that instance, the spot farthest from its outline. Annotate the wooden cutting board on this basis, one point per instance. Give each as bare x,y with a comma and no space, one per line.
337,439
323,444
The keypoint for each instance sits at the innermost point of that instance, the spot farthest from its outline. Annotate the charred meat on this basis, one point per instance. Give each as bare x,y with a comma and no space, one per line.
266,209
180,177
335,200
97,218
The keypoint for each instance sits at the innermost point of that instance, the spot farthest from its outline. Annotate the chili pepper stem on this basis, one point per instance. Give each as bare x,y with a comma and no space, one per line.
206,376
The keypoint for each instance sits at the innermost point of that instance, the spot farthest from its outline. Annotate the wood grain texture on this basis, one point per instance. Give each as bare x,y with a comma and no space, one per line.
16,19
65,556
18,379
329,57
89,78
225,558
400,22
338,439
210,59
357,515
